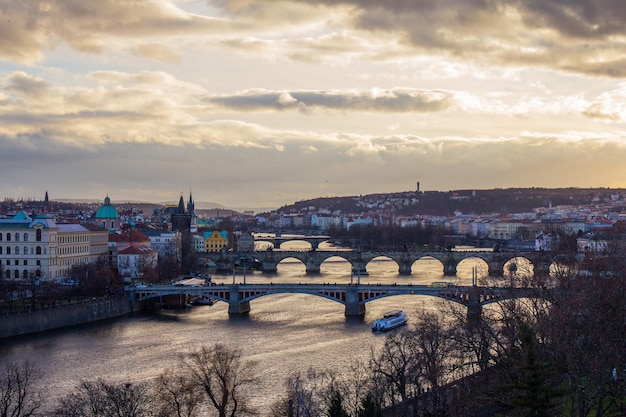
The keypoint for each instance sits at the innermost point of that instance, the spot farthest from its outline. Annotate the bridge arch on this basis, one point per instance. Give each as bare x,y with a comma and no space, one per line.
336,264
293,260
372,264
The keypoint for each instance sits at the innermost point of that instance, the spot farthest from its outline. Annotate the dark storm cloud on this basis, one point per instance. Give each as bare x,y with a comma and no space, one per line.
392,101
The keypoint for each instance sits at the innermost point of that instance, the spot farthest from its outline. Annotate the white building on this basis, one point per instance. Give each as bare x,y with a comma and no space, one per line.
41,248
131,261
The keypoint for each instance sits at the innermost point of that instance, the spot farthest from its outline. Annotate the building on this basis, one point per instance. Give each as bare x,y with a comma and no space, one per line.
42,249
166,242
132,260
181,222
107,216
215,241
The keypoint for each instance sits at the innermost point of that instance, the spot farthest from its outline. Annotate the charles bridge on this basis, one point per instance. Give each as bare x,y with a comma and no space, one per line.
267,261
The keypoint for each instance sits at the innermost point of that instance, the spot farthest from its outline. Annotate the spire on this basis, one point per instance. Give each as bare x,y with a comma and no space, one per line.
46,198
190,204
181,205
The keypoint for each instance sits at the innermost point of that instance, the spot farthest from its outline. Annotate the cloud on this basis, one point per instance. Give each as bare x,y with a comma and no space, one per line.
157,51
388,101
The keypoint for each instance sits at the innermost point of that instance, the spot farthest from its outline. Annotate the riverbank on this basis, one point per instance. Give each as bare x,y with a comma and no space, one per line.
65,316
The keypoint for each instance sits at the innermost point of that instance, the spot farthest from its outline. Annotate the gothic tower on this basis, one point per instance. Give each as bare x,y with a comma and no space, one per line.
181,222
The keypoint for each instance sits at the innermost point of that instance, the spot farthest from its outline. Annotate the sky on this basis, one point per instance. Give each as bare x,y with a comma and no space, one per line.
259,104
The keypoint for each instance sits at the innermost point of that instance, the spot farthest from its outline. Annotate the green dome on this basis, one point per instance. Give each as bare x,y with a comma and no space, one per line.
107,211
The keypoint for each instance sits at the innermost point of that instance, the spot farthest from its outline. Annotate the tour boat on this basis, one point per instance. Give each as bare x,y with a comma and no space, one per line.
390,320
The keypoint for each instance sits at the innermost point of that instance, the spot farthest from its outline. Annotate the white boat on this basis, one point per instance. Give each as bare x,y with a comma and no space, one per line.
390,320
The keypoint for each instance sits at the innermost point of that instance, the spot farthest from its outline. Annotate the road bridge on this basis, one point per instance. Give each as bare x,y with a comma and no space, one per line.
268,260
353,296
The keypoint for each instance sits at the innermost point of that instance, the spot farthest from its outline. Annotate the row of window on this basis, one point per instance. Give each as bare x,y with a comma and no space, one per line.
73,238
16,236
33,251
17,262
16,274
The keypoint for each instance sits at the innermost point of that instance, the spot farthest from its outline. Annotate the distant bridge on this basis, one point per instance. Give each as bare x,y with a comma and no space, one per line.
268,260
352,296
278,240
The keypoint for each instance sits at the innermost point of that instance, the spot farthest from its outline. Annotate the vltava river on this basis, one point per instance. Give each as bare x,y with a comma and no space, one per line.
282,333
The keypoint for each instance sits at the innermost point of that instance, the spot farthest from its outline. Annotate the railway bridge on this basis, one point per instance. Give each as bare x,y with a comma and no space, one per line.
353,296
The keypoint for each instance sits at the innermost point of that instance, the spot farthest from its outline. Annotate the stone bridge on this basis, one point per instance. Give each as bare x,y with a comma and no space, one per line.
267,261
277,241
352,296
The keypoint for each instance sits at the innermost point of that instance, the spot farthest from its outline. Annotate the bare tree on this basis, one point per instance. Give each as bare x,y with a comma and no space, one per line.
103,399
224,376
19,396
177,396
397,367
308,393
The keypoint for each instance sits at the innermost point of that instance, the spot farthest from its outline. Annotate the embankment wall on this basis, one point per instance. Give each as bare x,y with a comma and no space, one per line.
65,316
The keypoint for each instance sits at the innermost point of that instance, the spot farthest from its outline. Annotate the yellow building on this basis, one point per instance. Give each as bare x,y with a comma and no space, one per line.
215,241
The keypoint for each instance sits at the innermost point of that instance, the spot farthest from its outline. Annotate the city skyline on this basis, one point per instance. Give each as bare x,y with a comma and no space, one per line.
263,103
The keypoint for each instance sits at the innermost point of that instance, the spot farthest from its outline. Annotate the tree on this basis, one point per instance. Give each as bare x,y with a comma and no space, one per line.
177,396
307,394
336,406
397,368
224,376
18,395
534,391
369,407
103,399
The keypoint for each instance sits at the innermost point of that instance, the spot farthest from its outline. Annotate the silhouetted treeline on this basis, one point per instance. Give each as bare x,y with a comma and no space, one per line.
390,237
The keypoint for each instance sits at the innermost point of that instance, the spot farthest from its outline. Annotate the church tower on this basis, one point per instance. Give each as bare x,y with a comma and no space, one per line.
181,222
191,209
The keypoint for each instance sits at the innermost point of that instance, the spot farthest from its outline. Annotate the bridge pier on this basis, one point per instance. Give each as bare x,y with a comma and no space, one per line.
405,268
235,305
354,308
449,269
496,269
474,308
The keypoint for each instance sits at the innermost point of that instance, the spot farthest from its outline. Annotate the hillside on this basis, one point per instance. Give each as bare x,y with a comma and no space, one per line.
445,203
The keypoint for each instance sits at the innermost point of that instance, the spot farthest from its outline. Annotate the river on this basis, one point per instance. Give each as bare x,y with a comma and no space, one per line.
282,333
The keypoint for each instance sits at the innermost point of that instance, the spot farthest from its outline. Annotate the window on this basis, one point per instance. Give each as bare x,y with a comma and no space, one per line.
38,251
25,274
0,250
8,237
17,237
38,235
8,274
16,274
25,262
17,249
38,262
16,262
0,237
8,250
25,250
25,237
